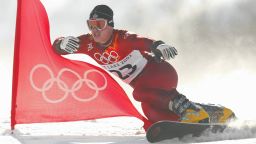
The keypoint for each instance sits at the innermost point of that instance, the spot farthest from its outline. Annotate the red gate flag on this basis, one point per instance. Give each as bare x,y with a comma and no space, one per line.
50,88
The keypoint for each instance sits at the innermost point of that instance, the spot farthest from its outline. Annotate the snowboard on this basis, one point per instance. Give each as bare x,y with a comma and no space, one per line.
163,130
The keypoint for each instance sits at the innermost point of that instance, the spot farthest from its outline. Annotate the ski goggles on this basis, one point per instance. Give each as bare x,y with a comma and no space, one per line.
98,24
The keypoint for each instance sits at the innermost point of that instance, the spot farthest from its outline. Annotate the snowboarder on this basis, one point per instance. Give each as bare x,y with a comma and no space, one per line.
154,80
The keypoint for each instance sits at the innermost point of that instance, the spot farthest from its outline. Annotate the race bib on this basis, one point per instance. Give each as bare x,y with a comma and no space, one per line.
129,67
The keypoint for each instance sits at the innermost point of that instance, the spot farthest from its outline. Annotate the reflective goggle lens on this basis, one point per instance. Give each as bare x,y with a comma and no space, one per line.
98,24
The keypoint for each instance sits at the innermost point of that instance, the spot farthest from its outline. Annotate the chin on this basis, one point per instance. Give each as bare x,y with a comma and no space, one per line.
98,40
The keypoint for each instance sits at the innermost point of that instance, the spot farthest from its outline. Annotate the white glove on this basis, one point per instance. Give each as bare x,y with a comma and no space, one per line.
167,51
69,44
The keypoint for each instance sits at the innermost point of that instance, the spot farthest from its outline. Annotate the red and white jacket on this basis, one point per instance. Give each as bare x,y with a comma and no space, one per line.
125,57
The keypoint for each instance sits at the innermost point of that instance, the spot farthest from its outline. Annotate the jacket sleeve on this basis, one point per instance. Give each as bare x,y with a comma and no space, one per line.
140,43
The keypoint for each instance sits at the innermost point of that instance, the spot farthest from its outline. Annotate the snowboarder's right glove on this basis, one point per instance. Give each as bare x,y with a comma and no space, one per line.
162,50
69,44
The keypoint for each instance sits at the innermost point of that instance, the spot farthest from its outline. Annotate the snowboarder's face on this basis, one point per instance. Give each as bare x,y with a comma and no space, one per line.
101,32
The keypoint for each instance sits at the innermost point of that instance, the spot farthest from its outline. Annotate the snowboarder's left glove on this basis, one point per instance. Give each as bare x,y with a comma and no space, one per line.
162,50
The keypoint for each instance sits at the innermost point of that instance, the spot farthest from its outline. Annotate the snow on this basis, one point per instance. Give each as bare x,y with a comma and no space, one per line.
120,130
111,130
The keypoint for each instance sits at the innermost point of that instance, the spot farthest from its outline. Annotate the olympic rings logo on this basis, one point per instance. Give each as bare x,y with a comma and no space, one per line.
64,87
106,57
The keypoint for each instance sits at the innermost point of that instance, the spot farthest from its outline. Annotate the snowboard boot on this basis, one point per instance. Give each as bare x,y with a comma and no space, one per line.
218,114
188,111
